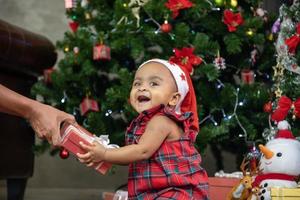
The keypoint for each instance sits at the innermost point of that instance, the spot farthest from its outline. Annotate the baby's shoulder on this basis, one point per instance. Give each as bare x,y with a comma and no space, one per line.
162,121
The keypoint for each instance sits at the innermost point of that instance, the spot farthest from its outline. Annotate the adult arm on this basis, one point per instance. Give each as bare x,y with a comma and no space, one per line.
44,119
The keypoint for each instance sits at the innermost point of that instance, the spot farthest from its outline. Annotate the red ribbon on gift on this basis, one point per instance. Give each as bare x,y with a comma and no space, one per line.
284,106
293,41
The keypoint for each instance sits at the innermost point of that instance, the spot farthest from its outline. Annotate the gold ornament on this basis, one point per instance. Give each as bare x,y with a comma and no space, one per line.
66,49
87,16
135,6
233,3
270,37
278,92
249,32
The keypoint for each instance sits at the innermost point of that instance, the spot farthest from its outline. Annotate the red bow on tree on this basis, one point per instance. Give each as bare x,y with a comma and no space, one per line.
293,41
186,58
232,20
176,5
283,108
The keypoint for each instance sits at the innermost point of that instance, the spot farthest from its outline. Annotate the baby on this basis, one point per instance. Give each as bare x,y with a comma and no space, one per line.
163,162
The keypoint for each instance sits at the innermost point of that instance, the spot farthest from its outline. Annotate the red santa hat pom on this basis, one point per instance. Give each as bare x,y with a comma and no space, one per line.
284,130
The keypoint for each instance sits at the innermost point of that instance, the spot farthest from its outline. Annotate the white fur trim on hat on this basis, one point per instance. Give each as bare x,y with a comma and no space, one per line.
179,76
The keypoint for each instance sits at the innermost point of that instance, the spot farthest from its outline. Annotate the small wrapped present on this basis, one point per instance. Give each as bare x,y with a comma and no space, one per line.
285,193
72,134
88,105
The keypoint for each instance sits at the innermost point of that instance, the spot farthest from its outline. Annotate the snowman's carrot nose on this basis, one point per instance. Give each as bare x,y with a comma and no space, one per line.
267,152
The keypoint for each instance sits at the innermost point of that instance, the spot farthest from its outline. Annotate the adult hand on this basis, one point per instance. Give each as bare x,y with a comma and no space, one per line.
46,121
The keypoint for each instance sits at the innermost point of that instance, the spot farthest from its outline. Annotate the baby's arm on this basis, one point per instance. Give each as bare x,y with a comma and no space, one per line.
156,132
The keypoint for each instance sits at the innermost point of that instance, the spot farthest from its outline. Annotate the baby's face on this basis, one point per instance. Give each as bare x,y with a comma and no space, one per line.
153,85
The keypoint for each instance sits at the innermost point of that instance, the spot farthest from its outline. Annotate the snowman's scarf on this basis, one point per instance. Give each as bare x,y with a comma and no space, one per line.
277,176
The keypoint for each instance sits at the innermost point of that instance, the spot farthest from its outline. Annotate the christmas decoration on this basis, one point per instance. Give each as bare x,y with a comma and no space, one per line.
70,4
219,2
135,6
101,52
232,20
76,50
243,190
166,27
233,3
293,41
253,157
219,63
63,153
275,166
47,75
276,26
285,104
74,26
87,105
268,107
247,76
185,57
176,5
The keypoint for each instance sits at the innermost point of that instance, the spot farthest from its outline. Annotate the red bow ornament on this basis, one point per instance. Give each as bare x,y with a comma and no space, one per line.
293,41
176,5
232,20
186,58
283,108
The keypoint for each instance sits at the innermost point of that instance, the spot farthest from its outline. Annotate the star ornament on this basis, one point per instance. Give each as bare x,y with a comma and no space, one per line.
232,20
176,5
182,76
186,58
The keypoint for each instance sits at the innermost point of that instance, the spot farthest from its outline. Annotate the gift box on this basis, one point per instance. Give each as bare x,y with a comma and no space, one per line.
220,187
72,134
285,193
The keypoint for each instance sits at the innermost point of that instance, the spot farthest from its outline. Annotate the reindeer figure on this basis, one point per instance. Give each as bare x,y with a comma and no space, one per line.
243,190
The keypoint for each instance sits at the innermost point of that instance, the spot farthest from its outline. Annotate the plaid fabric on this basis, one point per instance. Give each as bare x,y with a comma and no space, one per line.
174,171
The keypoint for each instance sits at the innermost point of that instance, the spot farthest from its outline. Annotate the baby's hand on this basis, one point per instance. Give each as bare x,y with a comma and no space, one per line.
95,153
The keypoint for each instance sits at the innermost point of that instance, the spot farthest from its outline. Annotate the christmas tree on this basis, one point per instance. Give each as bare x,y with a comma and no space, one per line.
228,45
286,75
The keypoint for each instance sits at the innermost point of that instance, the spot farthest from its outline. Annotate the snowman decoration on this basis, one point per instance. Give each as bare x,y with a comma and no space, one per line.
279,164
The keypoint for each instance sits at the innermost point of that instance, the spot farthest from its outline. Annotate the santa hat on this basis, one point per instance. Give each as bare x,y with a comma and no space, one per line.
284,131
187,102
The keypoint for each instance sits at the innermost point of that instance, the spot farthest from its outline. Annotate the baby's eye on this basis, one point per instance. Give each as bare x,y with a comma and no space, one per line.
136,83
153,84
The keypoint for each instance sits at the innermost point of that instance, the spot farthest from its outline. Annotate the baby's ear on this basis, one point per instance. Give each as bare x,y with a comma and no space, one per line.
174,99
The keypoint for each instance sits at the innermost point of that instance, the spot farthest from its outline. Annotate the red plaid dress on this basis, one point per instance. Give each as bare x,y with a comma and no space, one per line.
173,171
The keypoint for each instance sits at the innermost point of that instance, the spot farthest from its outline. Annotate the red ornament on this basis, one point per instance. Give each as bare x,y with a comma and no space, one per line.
247,76
47,75
176,5
166,27
232,20
70,4
101,52
64,154
74,26
87,105
268,107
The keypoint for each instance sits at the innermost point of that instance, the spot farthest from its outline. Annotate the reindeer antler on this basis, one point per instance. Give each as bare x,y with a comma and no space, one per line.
243,166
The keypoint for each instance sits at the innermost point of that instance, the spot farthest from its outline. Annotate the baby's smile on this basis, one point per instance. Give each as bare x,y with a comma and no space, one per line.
143,99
